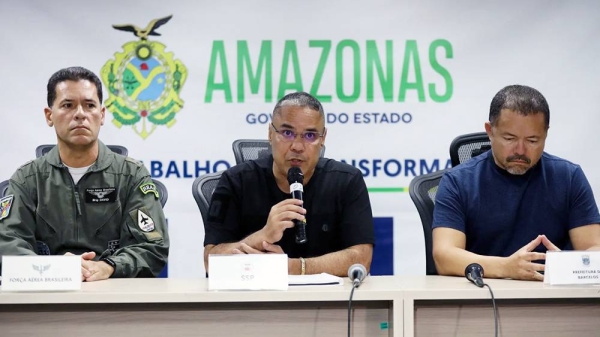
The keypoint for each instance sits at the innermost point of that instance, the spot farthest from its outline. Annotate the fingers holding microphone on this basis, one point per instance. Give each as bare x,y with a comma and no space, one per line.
281,217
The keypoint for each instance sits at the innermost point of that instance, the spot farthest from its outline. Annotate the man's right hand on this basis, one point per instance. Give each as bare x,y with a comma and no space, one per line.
85,257
520,265
280,218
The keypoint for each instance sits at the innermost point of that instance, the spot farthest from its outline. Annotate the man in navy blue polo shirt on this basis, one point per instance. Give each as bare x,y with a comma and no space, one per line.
506,207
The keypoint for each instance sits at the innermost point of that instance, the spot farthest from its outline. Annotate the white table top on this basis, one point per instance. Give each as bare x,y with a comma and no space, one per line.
375,288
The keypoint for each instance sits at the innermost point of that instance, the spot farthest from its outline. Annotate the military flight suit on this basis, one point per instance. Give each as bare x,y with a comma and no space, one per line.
113,210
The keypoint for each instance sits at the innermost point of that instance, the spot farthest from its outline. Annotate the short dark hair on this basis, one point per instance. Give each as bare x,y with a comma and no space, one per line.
521,99
300,99
72,74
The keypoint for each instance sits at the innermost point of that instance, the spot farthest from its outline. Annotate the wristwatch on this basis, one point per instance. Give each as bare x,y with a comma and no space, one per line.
109,262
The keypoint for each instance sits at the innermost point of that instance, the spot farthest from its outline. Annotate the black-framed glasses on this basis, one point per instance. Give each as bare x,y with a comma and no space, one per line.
308,137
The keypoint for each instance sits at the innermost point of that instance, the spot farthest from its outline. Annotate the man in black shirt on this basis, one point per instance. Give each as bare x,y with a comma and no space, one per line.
251,210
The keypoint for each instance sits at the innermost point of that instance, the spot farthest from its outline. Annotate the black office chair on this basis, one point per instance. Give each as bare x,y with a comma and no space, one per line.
422,191
163,194
45,148
251,149
202,190
3,188
468,146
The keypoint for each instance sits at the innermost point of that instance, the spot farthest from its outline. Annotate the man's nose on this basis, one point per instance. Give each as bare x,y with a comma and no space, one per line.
79,113
520,147
297,144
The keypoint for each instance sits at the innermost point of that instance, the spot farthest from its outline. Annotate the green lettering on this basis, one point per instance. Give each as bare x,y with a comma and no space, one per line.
386,80
339,71
314,88
290,52
411,58
218,53
264,63
440,98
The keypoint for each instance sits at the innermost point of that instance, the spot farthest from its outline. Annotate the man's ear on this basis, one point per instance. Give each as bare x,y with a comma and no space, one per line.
103,112
488,129
48,114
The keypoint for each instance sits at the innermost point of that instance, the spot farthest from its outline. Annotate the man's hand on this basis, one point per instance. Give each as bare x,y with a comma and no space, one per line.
99,270
84,257
519,266
280,218
268,248
93,270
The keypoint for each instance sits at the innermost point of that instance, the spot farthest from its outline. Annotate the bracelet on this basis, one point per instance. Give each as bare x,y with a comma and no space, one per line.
303,270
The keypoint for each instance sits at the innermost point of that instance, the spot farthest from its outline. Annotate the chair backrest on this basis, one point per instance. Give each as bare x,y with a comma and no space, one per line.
163,194
468,146
45,148
422,191
202,190
251,149
3,188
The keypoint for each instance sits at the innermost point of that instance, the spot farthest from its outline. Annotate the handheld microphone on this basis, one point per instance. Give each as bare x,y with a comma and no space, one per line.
474,273
357,273
295,179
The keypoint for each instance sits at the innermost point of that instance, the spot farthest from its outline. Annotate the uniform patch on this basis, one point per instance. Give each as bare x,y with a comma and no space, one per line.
5,204
42,248
149,188
113,245
100,194
145,222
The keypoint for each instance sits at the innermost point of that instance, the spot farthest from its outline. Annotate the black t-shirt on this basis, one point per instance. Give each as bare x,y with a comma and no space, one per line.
336,199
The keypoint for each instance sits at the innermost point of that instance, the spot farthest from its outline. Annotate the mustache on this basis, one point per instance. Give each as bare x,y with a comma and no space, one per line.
518,158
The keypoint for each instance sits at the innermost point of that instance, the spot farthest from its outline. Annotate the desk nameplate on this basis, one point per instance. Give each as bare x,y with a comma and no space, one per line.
572,267
248,272
41,273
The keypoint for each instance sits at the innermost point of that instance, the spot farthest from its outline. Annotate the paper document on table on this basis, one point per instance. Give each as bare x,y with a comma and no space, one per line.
313,280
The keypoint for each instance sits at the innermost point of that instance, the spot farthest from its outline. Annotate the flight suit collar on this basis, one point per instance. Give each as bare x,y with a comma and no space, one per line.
105,158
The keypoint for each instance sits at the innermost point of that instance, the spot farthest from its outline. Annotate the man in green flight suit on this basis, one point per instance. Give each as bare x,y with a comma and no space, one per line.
81,198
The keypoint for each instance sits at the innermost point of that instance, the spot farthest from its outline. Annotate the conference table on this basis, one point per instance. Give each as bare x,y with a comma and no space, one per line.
382,306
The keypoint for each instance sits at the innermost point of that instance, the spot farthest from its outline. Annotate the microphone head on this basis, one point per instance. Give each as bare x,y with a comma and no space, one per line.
357,271
295,175
474,268
474,273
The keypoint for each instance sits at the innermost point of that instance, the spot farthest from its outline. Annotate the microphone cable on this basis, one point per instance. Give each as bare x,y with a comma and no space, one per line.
354,286
495,309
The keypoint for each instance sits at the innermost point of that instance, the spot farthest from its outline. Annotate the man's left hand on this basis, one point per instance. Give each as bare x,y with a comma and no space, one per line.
99,270
268,248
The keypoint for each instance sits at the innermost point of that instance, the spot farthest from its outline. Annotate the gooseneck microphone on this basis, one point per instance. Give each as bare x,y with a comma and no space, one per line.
295,179
474,273
357,273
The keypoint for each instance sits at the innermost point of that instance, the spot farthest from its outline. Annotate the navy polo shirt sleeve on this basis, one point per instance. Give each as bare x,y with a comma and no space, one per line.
222,225
448,210
357,216
582,209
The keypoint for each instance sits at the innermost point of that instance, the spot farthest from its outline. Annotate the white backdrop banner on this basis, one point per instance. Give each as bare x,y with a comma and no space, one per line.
398,81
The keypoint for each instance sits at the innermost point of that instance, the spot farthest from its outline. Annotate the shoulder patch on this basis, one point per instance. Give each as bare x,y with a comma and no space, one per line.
149,188
131,160
5,204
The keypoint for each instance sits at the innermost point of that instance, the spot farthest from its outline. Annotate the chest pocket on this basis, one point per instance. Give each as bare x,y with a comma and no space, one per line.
51,222
102,221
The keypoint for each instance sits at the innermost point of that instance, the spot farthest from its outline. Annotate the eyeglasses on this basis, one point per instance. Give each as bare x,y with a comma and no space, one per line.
308,137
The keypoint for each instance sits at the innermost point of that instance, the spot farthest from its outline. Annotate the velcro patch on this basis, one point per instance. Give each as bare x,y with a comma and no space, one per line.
219,205
5,204
149,188
145,222
100,194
